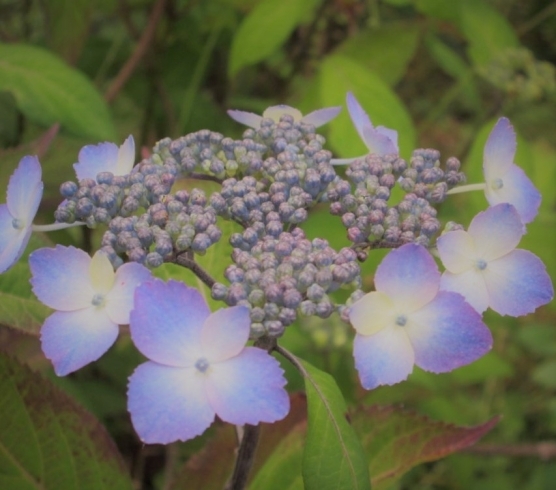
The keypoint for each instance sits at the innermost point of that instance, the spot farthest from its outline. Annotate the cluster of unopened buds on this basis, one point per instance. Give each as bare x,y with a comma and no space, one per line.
198,363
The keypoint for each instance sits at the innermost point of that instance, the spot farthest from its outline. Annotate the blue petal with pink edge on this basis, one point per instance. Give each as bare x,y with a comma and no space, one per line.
248,118
168,404
94,159
447,333
517,283
516,188
358,115
60,277
119,301
385,358
248,388
225,333
166,322
377,142
496,231
73,339
409,276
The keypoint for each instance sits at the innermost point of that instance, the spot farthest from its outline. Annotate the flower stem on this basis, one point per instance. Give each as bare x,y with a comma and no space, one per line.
187,260
245,457
56,226
467,188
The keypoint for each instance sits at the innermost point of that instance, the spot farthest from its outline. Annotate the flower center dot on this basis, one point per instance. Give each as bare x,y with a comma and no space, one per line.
401,320
98,300
18,224
202,364
497,184
481,264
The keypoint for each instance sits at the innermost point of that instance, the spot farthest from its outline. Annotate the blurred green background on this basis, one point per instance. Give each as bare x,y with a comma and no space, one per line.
438,71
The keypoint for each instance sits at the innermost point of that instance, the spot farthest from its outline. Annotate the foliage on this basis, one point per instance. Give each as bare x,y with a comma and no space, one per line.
438,72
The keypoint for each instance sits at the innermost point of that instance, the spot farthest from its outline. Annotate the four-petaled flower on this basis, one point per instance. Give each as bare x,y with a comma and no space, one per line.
105,157
505,181
316,118
91,299
483,264
16,216
379,140
408,321
199,366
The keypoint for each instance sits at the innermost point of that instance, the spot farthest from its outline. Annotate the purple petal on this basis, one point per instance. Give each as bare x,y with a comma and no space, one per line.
518,190
447,333
25,190
499,149
377,142
518,283
166,322
457,251
248,118
126,157
12,241
321,116
391,134
248,388
94,159
496,231
60,277
409,276
470,284
359,117
168,404
372,313
385,358
119,301
225,333
73,339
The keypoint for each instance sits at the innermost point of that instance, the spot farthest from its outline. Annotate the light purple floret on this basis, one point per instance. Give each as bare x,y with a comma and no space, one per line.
484,265
198,366
105,157
505,181
90,305
407,321
16,216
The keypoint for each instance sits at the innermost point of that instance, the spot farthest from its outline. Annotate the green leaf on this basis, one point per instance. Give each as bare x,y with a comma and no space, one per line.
386,51
545,374
440,9
486,30
264,30
333,458
338,75
60,94
398,439
19,308
48,442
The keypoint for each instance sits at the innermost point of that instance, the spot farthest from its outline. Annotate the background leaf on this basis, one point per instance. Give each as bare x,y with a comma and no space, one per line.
333,457
48,442
398,439
266,27
60,94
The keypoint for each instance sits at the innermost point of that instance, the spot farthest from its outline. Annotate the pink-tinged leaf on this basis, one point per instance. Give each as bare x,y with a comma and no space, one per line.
397,439
50,442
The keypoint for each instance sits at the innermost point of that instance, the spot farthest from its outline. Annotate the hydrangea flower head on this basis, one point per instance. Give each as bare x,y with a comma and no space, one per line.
16,216
408,321
484,265
105,157
505,181
91,301
199,366
316,118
